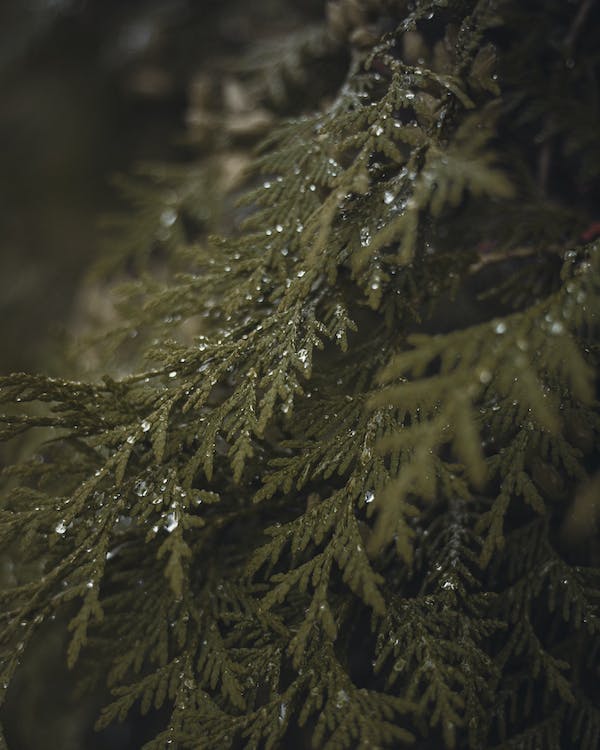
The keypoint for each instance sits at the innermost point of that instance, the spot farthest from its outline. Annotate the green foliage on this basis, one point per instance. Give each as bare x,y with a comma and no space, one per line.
332,499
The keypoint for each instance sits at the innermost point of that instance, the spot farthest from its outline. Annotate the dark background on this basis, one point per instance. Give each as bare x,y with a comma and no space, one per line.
89,88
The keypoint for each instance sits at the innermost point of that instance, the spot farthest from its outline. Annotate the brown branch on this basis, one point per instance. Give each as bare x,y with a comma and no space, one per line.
578,21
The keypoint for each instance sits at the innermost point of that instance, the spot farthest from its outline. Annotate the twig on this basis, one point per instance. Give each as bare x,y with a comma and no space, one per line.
578,22
497,257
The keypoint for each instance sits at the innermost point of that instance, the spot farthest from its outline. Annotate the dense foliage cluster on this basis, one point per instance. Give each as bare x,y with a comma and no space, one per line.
346,500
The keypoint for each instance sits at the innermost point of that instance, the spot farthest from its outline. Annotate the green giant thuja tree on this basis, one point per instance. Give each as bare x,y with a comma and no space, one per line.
344,494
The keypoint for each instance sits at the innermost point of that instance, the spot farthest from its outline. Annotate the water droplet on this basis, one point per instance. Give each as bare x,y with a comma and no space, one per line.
300,274
60,527
485,376
369,496
141,488
130,439
500,327
145,425
168,217
124,521
388,197
556,328
172,522
173,374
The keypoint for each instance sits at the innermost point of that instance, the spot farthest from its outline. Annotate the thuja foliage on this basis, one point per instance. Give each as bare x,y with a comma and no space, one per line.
339,497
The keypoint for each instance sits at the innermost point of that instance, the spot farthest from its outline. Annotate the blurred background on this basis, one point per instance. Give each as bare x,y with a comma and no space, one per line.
88,90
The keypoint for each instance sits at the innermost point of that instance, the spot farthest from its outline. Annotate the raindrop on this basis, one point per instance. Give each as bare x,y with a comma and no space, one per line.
369,496
145,425
60,527
173,374
500,327
124,521
388,197
172,522
168,217
141,488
